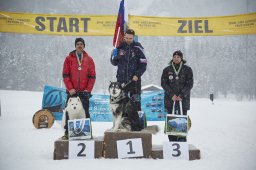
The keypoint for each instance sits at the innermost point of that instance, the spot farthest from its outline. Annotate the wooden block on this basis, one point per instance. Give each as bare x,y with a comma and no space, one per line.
194,153
157,152
110,146
61,148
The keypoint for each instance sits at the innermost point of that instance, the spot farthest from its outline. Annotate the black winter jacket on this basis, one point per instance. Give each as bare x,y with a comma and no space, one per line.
179,87
130,61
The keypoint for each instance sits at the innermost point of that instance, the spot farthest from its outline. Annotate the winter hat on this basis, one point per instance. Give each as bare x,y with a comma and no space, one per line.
79,40
179,53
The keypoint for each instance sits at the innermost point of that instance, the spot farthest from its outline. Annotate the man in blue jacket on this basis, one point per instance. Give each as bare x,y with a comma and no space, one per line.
131,63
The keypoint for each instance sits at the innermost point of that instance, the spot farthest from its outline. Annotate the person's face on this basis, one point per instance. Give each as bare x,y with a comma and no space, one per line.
176,59
79,47
128,38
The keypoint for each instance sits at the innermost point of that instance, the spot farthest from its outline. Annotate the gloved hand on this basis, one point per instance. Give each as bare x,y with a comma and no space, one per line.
115,53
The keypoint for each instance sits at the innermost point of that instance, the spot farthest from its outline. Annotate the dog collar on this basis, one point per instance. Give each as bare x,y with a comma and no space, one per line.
117,99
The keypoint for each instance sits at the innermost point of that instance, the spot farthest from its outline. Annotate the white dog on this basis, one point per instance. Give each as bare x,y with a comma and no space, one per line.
74,110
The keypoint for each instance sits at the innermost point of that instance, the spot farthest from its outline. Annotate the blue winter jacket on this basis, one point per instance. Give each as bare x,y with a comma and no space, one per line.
130,61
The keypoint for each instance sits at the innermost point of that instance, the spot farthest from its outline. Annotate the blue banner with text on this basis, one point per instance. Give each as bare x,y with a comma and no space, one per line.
54,99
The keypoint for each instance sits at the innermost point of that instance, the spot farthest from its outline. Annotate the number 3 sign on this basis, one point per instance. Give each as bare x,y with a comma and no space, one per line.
175,150
129,148
81,149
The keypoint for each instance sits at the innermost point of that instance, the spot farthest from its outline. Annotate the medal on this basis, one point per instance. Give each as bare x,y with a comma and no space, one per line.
177,71
79,62
170,77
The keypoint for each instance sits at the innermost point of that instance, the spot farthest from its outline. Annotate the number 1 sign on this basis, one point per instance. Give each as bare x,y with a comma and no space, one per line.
129,148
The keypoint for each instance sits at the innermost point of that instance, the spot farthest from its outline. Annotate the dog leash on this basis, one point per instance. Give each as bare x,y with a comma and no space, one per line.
128,83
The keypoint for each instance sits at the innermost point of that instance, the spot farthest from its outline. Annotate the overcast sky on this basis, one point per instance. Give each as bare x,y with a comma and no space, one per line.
175,8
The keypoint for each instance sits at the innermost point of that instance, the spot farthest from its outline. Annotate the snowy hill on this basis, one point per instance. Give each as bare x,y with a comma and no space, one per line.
224,132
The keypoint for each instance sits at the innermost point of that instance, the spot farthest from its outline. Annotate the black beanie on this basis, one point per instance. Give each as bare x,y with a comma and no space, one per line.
79,40
179,53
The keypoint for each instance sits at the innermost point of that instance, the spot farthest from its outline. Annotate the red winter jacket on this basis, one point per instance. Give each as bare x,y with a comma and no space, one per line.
80,80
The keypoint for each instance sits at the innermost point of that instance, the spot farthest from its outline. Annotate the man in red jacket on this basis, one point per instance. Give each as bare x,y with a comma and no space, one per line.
79,75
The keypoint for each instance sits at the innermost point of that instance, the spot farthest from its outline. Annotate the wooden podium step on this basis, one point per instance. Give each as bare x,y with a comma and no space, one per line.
107,146
61,148
157,152
110,146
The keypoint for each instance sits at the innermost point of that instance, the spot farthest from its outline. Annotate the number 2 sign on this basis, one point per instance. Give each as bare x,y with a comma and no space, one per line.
81,149
129,148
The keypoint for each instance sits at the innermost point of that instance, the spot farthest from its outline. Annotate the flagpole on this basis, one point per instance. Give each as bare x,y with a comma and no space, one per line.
117,36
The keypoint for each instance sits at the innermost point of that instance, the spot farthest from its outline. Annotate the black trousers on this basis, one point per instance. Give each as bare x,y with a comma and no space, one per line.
85,101
133,90
173,138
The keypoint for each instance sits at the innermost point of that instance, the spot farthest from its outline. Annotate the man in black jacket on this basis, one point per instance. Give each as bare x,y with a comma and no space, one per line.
177,81
131,63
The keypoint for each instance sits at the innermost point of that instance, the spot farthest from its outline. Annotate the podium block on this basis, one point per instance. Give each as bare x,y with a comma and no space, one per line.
61,148
110,145
157,152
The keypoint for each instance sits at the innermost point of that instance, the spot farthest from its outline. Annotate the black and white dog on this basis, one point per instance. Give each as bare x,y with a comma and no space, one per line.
125,115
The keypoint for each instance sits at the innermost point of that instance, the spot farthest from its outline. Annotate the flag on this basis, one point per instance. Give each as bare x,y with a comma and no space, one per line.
121,24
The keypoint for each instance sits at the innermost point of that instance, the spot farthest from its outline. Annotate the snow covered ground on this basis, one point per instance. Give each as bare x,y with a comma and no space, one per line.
224,132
